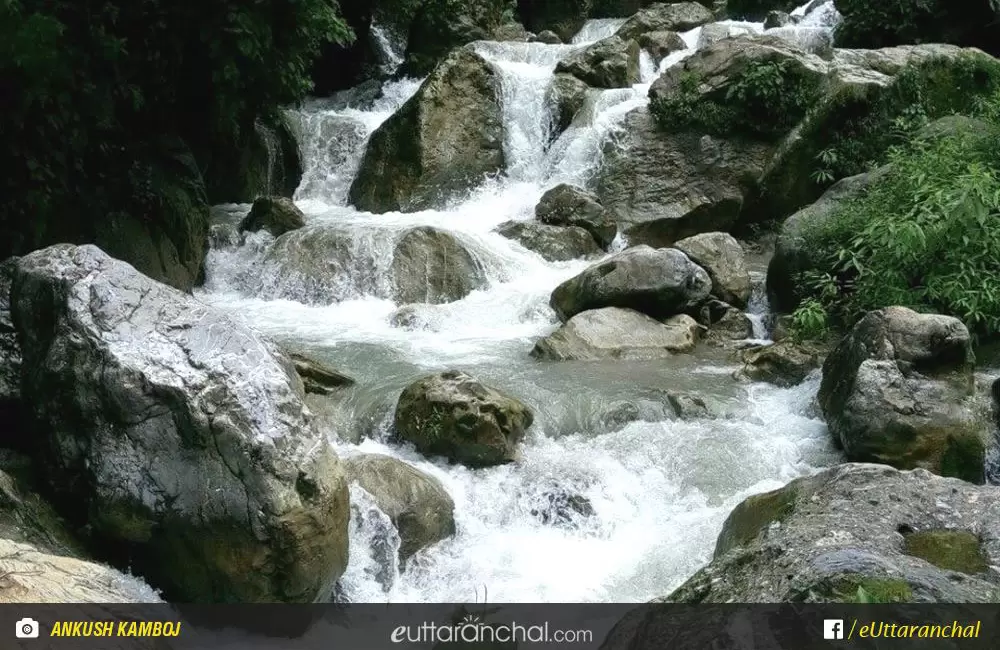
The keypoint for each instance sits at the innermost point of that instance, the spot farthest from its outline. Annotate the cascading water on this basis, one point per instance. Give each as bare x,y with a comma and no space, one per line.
658,488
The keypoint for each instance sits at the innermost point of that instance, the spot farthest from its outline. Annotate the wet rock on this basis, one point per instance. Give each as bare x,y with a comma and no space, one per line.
658,282
431,266
411,317
615,333
275,214
434,32
715,32
31,575
451,414
758,10
569,205
662,44
777,19
669,17
560,507
663,187
784,364
723,257
899,390
154,396
417,503
610,63
441,143
791,259
10,349
566,96
317,377
554,243
26,518
821,538
561,17
512,32
726,324
548,37
689,407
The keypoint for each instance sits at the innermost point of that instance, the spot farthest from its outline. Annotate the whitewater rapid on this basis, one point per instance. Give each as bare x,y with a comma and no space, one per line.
659,487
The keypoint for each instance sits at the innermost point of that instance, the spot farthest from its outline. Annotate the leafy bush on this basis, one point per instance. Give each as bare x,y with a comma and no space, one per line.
89,90
870,24
926,236
766,99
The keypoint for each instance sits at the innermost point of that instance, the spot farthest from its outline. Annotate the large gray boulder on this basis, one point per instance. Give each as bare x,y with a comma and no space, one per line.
275,214
569,205
609,63
431,266
565,97
791,257
173,431
661,44
898,536
451,414
722,256
785,363
442,142
657,282
554,243
671,17
563,17
418,505
663,187
35,576
616,333
899,390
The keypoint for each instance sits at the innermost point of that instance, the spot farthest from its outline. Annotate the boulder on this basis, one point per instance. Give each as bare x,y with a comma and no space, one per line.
561,507
665,17
975,24
723,257
26,518
565,97
439,144
616,333
662,44
554,243
791,258
609,63
176,434
451,414
899,390
431,266
777,18
438,28
262,161
715,32
513,32
658,282
317,377
548,37
785,363
726,324
31,575
417,503
10,349
895,536
275,214
689,407
562,17
663,187
569,205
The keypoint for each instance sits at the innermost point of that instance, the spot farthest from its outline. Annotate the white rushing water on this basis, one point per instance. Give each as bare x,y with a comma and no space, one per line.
659,488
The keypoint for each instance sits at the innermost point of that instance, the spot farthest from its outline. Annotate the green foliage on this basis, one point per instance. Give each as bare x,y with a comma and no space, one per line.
810,321
855,131
766,99
926,236
865,590
870,24
90,87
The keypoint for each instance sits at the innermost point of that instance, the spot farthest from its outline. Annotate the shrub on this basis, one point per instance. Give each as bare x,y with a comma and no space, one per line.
927,236
766,99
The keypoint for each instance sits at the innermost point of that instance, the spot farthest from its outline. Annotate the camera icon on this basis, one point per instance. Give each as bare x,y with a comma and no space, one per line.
26,628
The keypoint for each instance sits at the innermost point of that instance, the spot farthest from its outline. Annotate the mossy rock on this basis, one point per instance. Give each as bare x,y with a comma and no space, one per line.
951,550
754,515
867,589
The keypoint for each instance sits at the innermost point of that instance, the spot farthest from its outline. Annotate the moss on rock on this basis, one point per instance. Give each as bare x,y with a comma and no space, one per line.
951,550
750,518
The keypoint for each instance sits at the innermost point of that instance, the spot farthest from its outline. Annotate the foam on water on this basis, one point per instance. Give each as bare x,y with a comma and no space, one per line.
659,488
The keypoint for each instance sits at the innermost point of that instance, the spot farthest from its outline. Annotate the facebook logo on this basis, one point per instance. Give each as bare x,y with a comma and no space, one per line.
833,628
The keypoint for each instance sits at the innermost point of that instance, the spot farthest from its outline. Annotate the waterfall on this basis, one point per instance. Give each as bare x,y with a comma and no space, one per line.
275,159
658,488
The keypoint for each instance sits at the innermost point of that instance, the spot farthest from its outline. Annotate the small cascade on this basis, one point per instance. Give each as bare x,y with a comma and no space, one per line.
759,307
597,30
374,558
390,49
275,161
